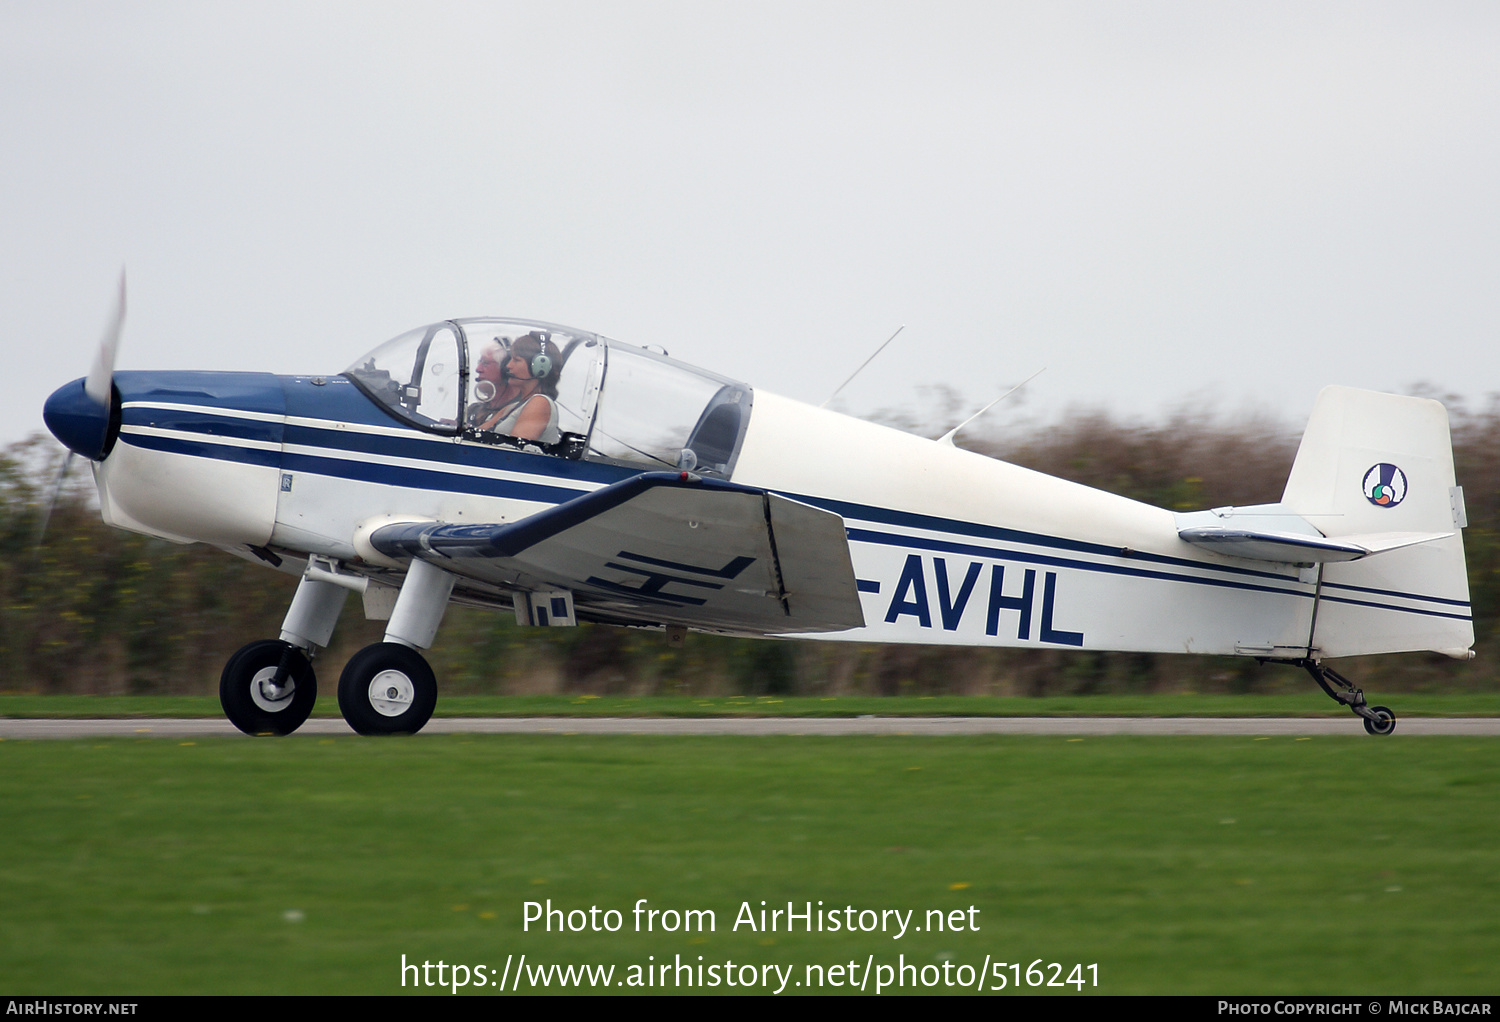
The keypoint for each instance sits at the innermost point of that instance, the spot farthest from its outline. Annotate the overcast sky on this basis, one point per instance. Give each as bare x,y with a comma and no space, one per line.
1231,204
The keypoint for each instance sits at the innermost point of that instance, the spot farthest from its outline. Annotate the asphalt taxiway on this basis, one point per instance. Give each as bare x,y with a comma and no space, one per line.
16,728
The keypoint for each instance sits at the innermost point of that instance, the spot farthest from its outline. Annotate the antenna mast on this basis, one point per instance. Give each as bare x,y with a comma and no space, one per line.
947,438
862,365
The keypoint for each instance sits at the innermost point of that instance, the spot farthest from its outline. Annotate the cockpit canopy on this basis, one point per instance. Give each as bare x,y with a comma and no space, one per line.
559,391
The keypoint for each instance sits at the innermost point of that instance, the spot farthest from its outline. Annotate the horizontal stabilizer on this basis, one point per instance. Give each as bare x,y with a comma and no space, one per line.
1295,548
662,548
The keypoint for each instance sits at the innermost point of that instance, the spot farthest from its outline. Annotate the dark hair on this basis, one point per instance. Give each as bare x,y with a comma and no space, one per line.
528,346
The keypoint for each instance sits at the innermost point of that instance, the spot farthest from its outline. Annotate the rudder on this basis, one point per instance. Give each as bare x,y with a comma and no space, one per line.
1372,464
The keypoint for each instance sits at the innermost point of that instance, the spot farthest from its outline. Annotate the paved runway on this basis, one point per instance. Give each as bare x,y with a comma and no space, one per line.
1298,726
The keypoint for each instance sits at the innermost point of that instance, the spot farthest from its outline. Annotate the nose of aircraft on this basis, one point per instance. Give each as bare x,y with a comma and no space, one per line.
79,421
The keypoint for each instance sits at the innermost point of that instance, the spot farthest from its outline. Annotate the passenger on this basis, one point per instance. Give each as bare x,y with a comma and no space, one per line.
526,407
492,388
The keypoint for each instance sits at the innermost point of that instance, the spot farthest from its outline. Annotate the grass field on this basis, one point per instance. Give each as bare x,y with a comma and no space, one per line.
1177,865
1310,704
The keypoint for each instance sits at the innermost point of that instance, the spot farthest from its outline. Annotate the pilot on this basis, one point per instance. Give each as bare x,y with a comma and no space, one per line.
526,405
492,387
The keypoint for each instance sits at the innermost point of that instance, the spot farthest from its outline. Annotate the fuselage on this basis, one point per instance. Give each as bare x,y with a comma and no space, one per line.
948,546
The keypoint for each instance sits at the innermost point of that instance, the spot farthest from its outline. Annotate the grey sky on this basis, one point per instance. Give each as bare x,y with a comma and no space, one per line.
1229,203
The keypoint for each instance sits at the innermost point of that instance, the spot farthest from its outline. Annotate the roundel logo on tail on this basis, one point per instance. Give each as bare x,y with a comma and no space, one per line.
1385,485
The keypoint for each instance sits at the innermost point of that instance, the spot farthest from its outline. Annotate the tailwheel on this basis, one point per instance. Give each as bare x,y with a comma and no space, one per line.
387,689
1378,720
1384,722
268,688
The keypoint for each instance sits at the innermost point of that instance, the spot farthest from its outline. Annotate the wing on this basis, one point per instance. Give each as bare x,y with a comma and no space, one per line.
663,548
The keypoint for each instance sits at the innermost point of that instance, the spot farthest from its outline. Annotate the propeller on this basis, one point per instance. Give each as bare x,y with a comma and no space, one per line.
80,417
47,509
101,377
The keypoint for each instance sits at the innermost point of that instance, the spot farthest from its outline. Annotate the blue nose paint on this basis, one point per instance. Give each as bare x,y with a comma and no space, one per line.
78,421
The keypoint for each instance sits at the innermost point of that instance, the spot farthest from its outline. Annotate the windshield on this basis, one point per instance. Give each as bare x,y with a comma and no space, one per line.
417,377
559,391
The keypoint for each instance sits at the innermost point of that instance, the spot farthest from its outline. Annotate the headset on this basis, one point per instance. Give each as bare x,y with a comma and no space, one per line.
540,365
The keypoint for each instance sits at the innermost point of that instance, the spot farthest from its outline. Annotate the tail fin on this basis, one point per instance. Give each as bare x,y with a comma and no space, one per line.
1376,463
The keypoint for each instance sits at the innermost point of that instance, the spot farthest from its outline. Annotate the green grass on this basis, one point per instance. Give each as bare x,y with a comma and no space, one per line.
1310,704
1178,865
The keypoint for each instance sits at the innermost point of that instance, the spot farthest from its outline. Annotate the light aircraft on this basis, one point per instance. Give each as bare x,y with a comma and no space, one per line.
646,492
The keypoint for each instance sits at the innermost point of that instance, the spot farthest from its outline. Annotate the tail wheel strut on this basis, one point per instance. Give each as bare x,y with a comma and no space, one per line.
1378,720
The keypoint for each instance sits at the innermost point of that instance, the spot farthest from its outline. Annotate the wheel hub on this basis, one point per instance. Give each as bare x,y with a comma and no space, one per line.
269,696
391,693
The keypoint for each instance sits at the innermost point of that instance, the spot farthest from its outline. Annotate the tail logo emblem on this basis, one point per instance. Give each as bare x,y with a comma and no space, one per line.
1385,485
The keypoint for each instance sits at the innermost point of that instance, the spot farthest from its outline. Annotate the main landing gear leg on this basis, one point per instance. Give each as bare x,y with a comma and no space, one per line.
1378,720
268,687
388,688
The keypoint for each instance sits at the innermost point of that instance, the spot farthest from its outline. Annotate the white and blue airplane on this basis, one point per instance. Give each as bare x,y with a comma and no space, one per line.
655,494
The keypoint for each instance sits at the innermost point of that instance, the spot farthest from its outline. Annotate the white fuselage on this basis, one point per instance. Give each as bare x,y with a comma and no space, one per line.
933,529
948,546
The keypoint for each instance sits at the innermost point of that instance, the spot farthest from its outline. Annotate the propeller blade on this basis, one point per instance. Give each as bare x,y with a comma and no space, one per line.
47,509
101,377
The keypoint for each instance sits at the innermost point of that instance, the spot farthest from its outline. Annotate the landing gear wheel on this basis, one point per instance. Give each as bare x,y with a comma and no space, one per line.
387,689
1384,723
1381,720
252,699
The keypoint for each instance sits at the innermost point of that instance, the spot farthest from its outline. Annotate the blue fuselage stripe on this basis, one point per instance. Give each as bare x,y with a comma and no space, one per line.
205,448
460,455
1389,592
915,543
205,423
558,474
912,520
1404,610
995,553
428,479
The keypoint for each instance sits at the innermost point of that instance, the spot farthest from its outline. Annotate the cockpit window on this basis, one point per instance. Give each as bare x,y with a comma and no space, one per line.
531,384
553,390
658,413
417,377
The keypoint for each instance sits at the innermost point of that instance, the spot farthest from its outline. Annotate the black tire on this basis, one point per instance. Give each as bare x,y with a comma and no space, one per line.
1387,721
387,689
246,702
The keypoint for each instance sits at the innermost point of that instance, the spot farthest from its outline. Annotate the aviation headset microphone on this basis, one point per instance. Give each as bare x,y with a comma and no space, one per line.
503,362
